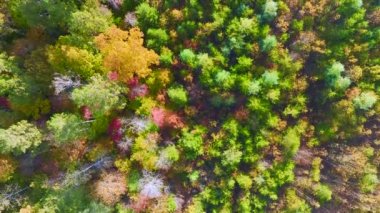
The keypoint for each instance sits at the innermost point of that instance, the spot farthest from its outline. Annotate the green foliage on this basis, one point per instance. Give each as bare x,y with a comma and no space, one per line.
365,100
67,128
171,153
225,79
323,193
49,14
237,88
166,56
133,181
100,95
89,22
244,181
75,61
316,169
369,182
19,138
249,87
268,43
295,204
147,16
244,64
231,157
270,10
188,57
70,200
334,77
178,95
191,141
291,141
157,38
270,78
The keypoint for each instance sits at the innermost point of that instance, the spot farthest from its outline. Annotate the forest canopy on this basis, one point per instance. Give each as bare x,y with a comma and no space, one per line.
189,106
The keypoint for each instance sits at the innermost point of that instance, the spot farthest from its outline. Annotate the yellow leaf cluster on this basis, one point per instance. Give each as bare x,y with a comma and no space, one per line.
124,53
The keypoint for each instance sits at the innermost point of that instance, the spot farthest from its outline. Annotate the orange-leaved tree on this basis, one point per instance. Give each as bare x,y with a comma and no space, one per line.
124,53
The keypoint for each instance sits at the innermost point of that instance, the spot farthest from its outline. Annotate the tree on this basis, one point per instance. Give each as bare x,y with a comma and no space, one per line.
19,138
178,95
244,181
101,96
67,128
225,79
74,61
323,193
110,187
72,199
295,204
365,100
334,77
369,182
125,54
270,10
268,43
147,16
151,185
89,22
291,141
167,157
166,57
270,78
7,168
231,158
188,57
249,87
191,141
49,14
157,38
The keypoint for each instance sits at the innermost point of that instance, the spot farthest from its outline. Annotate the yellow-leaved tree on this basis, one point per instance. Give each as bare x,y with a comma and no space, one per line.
125,54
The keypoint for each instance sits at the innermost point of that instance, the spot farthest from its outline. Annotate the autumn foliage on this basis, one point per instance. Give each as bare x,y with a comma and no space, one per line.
124,53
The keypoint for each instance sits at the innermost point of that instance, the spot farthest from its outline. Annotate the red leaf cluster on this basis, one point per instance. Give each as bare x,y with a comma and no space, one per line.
163,118
140,204
115,129
136,89
4,102
86,113
113,76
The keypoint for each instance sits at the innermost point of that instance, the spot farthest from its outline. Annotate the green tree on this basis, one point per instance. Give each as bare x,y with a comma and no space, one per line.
67,128
249,87
178,95
50,14
89,22
270,78
191,141
188,57
334,77
156,39
369,182
268,43
147,16
365,101
74,61
19,138
244,181
323,193
291,141
270,10
295,204
100,95
166,56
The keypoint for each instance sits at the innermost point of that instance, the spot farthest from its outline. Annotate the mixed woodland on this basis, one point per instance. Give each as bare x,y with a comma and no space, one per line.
190,106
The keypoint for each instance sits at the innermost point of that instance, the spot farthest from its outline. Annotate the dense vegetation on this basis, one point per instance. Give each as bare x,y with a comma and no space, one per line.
189,106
